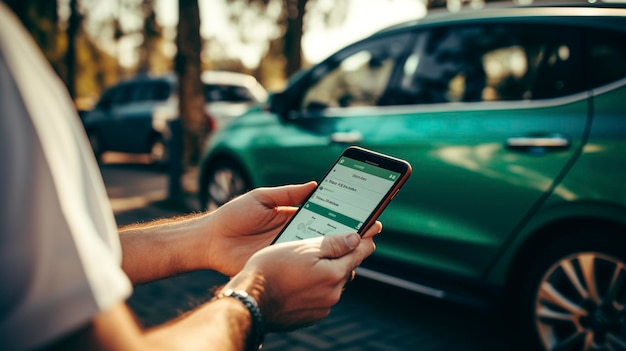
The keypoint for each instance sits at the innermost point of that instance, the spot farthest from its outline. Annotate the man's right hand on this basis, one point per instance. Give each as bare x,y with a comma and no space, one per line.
297,283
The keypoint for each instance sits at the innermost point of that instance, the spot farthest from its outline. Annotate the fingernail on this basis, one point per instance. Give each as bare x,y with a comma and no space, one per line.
352,240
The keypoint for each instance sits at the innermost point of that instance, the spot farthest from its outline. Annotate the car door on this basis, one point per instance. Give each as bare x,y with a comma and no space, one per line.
112,131
134,117
500,117
489,115
110,134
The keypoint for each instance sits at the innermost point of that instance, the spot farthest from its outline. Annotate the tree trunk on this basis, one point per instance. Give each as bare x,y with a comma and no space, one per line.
188,68
70,55
293,35
191,126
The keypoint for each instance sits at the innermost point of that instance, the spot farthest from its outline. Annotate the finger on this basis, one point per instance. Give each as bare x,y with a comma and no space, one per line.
366,247
349,279
353,259
334,246
375,229
287,195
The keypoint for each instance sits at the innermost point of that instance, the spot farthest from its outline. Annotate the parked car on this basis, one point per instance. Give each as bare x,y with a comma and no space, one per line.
514,120
227,95
132,116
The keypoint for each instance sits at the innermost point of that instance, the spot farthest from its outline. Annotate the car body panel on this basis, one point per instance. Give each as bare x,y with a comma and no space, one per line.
594,188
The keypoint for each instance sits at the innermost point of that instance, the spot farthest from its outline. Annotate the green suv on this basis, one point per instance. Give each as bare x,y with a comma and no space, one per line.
514,120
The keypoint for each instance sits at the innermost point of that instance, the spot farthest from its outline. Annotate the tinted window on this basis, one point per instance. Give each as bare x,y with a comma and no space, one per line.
142,91
106,99
115,96
607,57
357,76
124,93
151,91
491,62
160,91
227,93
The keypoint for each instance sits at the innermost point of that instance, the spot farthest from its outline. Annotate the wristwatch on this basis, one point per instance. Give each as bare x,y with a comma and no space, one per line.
256,336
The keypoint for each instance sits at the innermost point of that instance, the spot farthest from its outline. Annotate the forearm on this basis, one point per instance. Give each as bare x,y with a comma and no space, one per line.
223,324
163,248
217,325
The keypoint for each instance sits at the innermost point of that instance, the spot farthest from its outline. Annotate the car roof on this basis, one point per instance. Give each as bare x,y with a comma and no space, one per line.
507,11
235,78
207,77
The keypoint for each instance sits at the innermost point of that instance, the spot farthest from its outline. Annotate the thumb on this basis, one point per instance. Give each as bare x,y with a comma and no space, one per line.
287,195
335,246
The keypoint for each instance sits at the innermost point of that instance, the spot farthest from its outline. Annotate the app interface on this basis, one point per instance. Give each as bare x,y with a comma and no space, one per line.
342,202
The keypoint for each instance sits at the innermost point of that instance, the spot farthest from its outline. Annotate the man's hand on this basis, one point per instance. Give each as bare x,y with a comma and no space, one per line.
249,223
296,283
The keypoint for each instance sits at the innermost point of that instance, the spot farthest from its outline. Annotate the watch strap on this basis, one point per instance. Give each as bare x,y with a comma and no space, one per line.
256,336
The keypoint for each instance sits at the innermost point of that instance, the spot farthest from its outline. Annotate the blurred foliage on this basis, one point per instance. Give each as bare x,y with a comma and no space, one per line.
106,33
101,27
40,17
283,46
92,66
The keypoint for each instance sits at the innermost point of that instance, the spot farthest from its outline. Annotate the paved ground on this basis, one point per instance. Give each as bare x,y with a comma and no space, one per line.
370,316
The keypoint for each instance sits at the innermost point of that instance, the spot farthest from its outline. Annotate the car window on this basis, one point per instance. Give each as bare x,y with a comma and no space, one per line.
607,57
226,93
160,91
490,62
142,91
124,93
156,90
106,100
357,76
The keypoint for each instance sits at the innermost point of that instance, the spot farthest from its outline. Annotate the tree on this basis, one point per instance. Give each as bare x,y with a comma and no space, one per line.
292,45
151,32
290,22
40,17
73,25
188,68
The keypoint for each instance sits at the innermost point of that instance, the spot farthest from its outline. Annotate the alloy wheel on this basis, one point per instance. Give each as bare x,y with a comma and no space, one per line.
580,304
223,185
158,152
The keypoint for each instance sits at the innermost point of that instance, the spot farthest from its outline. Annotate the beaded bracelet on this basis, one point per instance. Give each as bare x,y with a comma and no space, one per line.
255,338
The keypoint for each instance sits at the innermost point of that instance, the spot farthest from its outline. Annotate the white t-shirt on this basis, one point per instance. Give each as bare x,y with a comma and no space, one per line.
60,255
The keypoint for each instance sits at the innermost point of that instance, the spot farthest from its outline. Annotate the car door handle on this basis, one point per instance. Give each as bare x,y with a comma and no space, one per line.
536,144
346,137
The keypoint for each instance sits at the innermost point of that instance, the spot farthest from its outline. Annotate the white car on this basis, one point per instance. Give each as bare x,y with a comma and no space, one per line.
227,95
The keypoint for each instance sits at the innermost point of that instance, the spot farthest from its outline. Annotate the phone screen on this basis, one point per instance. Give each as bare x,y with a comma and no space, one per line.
343,201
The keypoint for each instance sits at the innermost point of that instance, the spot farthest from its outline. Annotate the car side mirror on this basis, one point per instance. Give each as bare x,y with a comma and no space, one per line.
279,104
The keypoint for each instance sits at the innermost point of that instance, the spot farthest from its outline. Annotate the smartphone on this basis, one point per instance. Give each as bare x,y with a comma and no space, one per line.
350,197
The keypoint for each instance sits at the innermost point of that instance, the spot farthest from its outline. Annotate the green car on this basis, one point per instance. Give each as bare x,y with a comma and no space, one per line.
514,120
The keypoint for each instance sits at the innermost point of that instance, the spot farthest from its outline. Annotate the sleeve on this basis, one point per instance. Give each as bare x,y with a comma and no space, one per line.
60,253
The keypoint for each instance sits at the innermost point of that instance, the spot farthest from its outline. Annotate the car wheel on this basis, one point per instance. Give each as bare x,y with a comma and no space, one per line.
94,142
159,154
574,297
222,183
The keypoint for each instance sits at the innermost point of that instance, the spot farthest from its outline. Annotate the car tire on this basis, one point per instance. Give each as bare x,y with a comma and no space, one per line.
574,294
159,152
223,181
96,147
